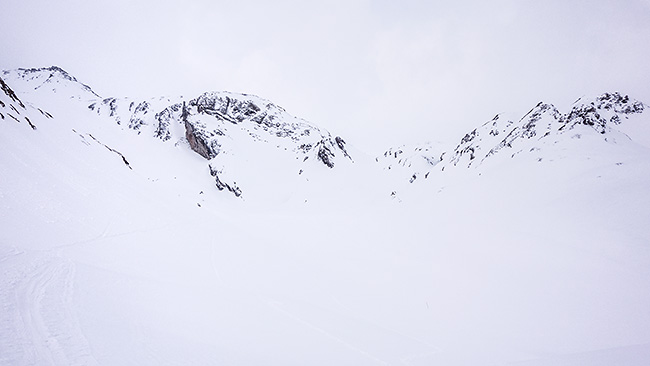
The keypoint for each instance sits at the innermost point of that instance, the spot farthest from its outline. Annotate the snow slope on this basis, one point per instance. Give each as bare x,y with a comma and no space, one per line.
117,247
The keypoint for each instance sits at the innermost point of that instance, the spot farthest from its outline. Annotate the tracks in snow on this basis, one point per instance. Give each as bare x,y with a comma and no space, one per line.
38,323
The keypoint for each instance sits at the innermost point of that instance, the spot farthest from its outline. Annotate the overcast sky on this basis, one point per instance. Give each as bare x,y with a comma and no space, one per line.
379,73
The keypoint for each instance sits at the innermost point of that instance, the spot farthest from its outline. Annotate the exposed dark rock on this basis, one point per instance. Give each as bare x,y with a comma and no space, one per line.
305,147
164,119
45,113
590,114
112,150
185,113
325,155
10,93
30,123
222,185
200,143
341,144
137,118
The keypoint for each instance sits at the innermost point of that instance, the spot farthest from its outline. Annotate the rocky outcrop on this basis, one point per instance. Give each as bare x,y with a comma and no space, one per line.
412,162
341,145
164,120
221,185
138,115
201,143
325,155
13,107
607,109
228,108
126,162
10,93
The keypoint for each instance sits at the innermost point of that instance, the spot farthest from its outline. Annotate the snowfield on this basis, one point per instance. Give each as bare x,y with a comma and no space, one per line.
118,248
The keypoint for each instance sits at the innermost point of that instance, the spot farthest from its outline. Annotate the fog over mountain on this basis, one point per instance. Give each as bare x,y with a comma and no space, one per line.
378,72
218,228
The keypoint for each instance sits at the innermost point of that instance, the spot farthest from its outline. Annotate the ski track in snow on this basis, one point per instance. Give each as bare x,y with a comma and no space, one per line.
406,360
213,261
38,323
277,306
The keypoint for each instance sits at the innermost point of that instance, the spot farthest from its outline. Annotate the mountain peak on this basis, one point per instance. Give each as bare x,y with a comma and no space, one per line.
51,78
52,70
227,128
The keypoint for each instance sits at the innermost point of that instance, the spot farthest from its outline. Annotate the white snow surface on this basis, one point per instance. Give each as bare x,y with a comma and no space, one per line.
116,248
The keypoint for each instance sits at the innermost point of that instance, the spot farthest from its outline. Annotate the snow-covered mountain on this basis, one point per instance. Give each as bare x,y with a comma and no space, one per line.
220,230
221,126
242,136
48,81
609,115
543,134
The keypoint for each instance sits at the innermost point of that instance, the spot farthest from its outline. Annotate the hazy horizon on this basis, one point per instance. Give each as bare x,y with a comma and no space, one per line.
378,73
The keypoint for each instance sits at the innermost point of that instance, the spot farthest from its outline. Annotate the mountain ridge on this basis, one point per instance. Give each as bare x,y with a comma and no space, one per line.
216,125
543,126
201,122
